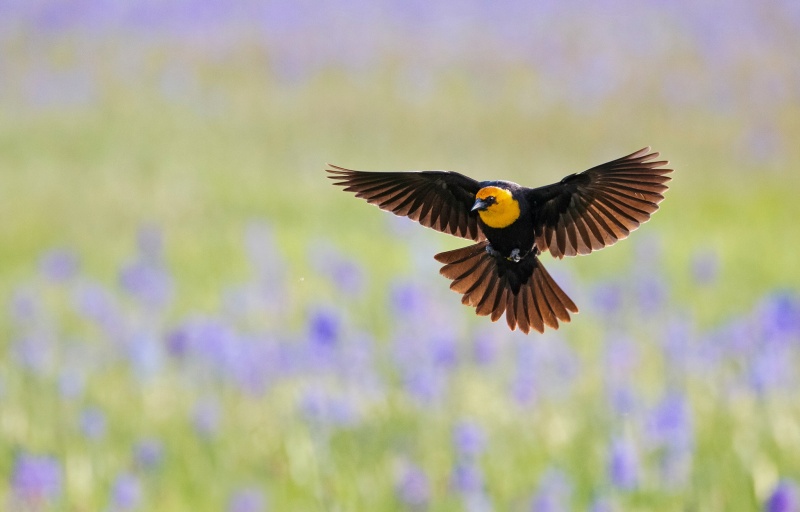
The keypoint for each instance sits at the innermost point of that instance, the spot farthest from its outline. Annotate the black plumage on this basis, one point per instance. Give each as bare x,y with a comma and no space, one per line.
513,224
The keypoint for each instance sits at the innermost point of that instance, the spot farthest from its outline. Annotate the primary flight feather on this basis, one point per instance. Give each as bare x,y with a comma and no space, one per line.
512,225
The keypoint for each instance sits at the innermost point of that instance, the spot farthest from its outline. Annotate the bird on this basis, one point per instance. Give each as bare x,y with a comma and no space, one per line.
513,225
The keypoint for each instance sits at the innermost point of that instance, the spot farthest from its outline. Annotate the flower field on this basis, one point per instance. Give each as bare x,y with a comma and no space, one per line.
193,318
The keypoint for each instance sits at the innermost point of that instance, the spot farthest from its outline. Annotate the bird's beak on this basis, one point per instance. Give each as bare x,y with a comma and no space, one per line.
479,205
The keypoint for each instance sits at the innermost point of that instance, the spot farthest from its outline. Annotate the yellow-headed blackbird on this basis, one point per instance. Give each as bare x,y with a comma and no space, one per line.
513,224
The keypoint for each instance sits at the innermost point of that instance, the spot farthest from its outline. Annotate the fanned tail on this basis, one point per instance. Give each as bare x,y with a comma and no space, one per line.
523,290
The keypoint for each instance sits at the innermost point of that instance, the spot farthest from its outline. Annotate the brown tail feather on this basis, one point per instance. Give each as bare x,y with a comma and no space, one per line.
486,284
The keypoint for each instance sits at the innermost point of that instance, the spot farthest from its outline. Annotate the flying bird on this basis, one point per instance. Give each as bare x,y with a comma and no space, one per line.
513,225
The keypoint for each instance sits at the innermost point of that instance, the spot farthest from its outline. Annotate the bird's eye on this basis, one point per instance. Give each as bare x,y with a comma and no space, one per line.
490,200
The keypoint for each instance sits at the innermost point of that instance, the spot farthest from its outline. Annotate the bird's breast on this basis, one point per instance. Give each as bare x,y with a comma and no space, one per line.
502,214
518,235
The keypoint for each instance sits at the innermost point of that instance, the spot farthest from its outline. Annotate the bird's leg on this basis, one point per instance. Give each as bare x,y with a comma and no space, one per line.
492,252
515,255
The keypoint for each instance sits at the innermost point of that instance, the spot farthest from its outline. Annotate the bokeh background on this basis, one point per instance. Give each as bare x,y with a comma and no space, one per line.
194,319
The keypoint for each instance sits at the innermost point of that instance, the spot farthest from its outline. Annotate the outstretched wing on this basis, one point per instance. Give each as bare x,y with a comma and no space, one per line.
593,209
436,199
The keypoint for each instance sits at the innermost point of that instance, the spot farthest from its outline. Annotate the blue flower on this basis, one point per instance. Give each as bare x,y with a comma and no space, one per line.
779,315
469,438
25,305
467,477
97,304
247,500
670,423
623,465
324,328
413,487
553,493
148,453
126,492
443,350
607,299
784,498
147,282
145,353
58,265
36,478
36,352
406,298
93,423
425,383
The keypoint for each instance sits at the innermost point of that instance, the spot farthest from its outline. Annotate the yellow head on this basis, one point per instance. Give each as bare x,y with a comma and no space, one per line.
496,206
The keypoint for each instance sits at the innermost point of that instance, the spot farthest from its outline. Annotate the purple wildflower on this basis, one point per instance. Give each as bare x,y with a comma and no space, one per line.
553,493
178,341
771,369
425,383
623,465
443,350
126,492
407,299
784,498
413,487
25,305
324,328
247,500
670,423
348,276
779,314
469,438
96,303
58,265
145,354
148,453
467,477
148,283
93,423
36,352
36,478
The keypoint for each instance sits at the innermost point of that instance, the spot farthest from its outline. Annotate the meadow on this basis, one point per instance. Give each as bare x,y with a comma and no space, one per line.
193,318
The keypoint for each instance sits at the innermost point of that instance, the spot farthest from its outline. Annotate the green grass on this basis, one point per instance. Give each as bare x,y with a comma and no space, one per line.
242,148
89,178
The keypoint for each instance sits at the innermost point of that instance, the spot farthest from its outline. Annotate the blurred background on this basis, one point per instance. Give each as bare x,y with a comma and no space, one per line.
195,319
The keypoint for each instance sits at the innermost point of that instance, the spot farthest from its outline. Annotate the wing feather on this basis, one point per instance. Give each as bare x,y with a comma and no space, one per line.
441,200
593,209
